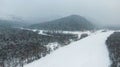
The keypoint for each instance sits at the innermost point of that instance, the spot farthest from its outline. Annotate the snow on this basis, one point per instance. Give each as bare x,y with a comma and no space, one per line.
42,32
88,52
52,46
79,33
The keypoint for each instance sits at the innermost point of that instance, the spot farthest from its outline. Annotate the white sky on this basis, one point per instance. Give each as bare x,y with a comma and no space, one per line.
103,11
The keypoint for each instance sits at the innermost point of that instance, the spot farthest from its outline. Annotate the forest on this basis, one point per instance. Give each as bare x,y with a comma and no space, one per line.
113,44
19,47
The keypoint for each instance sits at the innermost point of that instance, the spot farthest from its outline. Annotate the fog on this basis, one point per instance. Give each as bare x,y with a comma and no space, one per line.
98,11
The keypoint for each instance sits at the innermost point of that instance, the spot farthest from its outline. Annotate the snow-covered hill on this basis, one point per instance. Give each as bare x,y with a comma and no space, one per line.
88,52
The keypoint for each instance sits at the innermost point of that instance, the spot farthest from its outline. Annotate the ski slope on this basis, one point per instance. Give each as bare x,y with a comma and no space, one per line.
88,52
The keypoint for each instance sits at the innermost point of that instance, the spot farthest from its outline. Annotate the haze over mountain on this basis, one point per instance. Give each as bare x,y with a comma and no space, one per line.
72,22
59,33
11,23
103,11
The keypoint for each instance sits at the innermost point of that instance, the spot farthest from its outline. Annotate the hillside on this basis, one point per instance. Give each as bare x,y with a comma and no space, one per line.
69,23
11,23
83,53
113,44
20,46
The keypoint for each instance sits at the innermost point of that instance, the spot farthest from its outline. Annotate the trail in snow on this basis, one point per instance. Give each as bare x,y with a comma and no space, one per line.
88,52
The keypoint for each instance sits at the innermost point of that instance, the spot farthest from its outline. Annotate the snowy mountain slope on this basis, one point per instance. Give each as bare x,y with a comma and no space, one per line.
68,23
88,52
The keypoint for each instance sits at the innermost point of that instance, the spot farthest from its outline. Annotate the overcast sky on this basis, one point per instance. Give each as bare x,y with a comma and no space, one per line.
99,11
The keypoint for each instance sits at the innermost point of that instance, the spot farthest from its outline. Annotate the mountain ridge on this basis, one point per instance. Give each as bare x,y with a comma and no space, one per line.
72,22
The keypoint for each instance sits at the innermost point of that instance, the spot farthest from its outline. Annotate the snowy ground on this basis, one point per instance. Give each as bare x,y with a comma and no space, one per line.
65,32
88,52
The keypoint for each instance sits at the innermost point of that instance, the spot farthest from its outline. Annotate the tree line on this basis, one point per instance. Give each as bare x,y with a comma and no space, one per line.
113,44
19,47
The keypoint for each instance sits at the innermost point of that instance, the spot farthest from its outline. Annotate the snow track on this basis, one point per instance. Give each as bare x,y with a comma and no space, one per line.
88,52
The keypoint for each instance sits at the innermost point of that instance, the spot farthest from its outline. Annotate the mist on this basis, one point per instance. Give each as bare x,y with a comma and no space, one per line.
98,11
